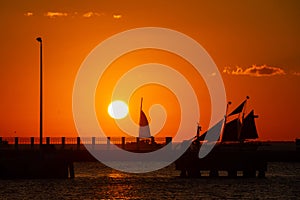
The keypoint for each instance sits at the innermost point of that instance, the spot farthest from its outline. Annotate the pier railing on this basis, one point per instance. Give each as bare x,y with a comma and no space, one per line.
79,142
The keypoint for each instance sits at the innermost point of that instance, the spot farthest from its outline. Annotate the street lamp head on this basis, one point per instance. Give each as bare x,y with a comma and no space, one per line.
39,39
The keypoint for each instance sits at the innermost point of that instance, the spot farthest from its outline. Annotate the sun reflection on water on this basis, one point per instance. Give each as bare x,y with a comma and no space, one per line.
116,175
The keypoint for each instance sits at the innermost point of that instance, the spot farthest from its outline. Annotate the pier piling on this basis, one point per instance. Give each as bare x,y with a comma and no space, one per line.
78,143
63,142
16,142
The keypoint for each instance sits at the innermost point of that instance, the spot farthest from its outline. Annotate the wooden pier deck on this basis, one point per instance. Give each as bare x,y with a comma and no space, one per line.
23,157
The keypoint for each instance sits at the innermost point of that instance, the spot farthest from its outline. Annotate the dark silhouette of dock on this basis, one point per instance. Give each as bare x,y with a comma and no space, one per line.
23,157
134,144
237,159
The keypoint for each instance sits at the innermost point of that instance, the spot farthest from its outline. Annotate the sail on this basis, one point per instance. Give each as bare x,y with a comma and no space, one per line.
237,129
201,137
239,109
214,132
144,131
249,129
231,130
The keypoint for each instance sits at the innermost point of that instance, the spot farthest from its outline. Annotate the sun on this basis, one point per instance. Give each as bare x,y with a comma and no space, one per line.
117,109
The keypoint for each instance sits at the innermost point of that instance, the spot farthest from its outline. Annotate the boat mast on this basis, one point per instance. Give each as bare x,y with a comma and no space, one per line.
244,109
198,131
229,103
225,119
141,104
243,117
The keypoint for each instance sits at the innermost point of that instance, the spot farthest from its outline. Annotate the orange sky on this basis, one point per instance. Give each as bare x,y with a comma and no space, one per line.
255,45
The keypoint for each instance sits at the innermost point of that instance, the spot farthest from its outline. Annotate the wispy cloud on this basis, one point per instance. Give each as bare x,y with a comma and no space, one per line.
92,14
296,73
28,14
255,70
89,14
117,16
56,14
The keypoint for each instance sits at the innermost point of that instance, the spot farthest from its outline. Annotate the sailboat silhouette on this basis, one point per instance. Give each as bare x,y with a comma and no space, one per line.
144,129
238,129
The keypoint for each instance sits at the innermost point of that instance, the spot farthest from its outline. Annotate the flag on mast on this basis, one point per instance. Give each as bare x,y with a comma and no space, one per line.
144,130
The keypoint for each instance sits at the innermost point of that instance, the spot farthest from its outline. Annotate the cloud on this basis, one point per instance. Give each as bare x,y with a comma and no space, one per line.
88,14
91,14
255,70
56,14
296,73
117,16
28,14
74,14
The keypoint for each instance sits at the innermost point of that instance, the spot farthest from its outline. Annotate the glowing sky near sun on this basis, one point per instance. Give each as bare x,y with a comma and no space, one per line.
255,45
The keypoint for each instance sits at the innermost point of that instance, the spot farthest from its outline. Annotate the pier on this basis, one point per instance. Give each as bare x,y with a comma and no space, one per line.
233,160
223,162
134,144
23,157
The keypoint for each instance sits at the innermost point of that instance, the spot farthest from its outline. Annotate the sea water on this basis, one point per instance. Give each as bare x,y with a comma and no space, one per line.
95,181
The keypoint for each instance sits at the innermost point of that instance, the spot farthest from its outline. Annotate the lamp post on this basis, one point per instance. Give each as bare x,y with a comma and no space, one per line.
39,39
